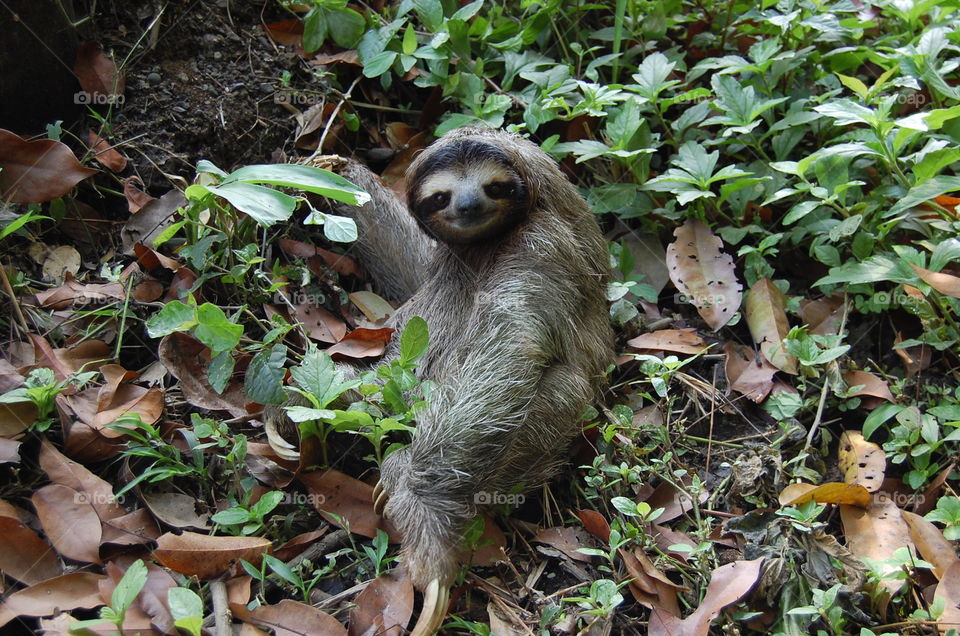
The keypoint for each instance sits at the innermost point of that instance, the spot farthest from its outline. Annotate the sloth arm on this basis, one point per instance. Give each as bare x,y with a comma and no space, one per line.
391,246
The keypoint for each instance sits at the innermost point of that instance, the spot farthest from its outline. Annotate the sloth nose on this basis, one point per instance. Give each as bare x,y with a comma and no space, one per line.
469,204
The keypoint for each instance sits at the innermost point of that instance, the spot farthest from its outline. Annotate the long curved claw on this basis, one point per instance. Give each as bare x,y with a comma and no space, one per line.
435,600
380,498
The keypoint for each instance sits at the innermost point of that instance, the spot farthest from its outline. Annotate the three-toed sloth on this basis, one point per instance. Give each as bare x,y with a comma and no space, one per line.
502,257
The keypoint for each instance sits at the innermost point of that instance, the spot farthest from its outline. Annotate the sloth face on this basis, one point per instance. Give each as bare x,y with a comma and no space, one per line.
467,192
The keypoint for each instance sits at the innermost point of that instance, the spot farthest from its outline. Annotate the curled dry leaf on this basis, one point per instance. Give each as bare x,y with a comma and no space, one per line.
728,584
205,556
373,306
703,273
875,532
671,340
861,462
187,360
292,618
105,154
822,317
673,501
384,606
362,343
176,510
931,544
97,73
136,197
61,262
150,221
595,524
70,523
946,284
870,385
830,492
747,373
97,492
83,294
24,555
949,590
767,318
63,593
568,540
317,256
321,325
349,499
37,171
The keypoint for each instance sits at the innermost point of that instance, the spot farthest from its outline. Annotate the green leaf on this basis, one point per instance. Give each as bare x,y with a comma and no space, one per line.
184,603
232,516
317,375
220,371
409,41
306,414
346,26
924,192
430,12
846,112
281,569
340,229
933,162
315,29
215,330
854,84
263,205
129,586
172,317
651,76
19,222
306,178
264,379
414,340
379,64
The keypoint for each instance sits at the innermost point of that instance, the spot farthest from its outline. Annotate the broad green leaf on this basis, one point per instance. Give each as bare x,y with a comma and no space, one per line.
307,414
845,112
264,205
306,178
264,379
215,330
651,76
414,340
854,84
317,375
220,371
379,64
346,26
929,189
129,586
172,317
430,12
340,229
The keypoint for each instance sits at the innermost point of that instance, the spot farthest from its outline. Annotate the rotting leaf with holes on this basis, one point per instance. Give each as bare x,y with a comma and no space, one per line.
704,273
875,532
37,171
672,340
767,318
861,462
748,373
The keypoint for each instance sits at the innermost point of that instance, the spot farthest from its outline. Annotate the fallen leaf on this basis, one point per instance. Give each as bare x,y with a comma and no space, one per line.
70,523
870,385
292,618
703,273
97,73
133,528
931,544
150,221
349,499
728,584
946,284
37,171
92,490
24,555
673,501
915,359
286,32
767,318
206,556
136,197
595,524
188,360
567,540
362,343
176,510
823,317
343,265
298,544
747,373
861,462
373,306
9,451
61,261
384,606
63,593
830,492
875,532
949,590
320,324
105,154
672,340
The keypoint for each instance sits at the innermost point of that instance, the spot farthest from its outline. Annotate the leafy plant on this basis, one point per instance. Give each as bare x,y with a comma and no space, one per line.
41,387
120,601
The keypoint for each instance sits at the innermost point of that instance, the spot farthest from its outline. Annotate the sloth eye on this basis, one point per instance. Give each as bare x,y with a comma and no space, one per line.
440,199
499,190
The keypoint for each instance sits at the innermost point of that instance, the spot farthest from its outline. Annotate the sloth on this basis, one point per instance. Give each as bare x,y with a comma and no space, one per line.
496,250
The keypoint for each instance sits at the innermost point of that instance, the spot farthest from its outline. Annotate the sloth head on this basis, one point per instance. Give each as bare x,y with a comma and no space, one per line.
466,189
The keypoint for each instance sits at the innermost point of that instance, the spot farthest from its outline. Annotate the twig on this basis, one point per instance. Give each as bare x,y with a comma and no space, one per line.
221,608
333,116
826,384
13,299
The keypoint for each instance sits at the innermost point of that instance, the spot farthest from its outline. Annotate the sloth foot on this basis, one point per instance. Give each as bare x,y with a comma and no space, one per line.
380,498
436,597
327,162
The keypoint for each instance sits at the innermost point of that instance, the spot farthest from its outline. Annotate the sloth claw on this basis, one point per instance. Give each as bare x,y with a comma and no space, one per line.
436,597
380,498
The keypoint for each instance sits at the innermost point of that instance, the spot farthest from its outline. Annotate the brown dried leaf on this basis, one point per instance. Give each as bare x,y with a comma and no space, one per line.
61,263
153,260
37,171
83,294
188,360
595,524
362,343
134,528
824,316
672,340
205,556
349,499
870,384
292,618
91,489
320,324
915,359
374,307
70,523
9,451
861,462
652,590
286,32
136,198
62,593
492,543
875,532
946,284
97,73
17,417
343,265
931,544
728,584
566,539
748,374
830,492
767,318
949,590
703,273
176,510
384,606
24,555
105,154
150,221
673,501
